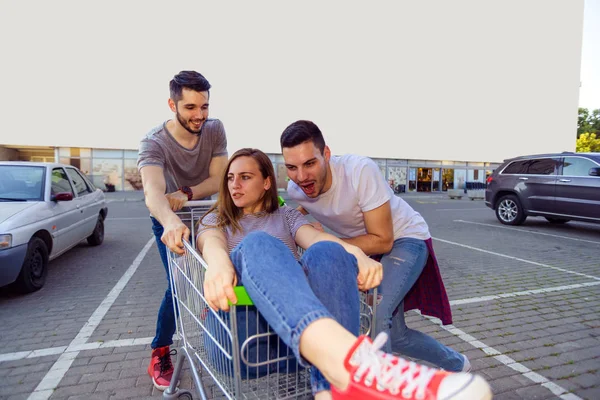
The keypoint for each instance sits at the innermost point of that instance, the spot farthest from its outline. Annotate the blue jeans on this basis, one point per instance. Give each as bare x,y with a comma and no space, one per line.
291,295
402,266
165,323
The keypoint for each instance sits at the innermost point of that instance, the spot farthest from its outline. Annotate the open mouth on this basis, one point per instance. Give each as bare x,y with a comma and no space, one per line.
236,195
308,188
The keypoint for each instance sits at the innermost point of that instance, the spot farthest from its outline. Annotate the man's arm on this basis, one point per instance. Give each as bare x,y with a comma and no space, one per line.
380,231
210,185
154,184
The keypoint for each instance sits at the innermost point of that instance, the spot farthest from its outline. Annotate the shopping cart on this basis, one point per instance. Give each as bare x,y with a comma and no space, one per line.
260,367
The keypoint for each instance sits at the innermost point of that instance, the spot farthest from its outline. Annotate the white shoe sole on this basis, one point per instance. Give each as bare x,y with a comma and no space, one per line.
474,389
162,388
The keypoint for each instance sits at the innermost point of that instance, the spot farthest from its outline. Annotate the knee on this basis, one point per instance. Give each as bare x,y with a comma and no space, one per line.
257,245
256,237
258,240
399,338
332,256
327,247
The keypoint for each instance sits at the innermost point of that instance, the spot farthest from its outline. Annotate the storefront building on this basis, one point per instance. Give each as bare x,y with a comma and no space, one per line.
116,170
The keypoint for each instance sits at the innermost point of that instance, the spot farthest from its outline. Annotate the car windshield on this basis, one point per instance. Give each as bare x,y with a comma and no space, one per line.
21,183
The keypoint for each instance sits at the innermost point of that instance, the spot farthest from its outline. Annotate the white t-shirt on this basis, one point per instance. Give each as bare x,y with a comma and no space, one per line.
358,186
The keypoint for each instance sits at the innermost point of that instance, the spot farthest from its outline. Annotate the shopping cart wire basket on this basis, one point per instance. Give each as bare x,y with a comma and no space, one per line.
234,355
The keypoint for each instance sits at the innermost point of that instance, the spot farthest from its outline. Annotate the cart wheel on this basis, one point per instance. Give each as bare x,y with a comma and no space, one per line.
185,396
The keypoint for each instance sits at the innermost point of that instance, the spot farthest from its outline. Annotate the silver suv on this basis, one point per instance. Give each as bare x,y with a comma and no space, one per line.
560,187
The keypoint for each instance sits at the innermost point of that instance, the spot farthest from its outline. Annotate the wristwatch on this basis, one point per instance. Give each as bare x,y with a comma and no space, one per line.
187,190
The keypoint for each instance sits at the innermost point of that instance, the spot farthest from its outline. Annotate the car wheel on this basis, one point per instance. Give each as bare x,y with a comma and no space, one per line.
35,267
509,210
557,220
97,237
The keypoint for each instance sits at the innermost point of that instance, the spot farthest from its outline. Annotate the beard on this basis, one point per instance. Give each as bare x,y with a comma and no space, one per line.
187,125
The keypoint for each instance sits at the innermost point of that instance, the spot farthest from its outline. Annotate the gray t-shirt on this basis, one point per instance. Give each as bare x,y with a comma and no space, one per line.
281,224
181,166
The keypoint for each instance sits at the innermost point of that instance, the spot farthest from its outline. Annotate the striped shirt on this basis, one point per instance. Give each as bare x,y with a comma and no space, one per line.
281,224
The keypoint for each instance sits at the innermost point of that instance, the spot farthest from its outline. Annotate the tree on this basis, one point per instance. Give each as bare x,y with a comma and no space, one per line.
588,123
588,142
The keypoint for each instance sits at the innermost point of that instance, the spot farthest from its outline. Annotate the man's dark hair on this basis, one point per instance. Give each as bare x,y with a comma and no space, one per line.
300,132
189,80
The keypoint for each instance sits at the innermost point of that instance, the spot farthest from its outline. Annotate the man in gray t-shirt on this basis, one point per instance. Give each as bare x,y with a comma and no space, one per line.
180,160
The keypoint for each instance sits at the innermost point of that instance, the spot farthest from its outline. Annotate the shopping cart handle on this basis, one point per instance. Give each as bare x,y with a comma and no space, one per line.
198,203
242,297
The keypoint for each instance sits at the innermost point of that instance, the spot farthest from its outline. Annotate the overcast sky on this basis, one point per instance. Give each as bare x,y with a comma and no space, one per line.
383,78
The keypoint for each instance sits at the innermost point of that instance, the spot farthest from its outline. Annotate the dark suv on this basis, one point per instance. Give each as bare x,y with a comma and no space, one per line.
560,187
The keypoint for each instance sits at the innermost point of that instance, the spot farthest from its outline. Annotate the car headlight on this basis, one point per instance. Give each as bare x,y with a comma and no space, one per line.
5,241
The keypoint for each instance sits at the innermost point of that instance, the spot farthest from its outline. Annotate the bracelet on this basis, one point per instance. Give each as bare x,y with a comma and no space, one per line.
187,190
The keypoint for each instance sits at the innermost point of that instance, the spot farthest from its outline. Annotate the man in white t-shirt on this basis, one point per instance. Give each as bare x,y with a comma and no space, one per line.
349,195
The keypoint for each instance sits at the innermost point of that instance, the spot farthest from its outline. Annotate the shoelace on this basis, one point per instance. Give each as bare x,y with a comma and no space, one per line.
391,372
165,361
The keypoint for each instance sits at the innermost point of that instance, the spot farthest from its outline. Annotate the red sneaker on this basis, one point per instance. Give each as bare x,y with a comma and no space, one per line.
161,367
377,375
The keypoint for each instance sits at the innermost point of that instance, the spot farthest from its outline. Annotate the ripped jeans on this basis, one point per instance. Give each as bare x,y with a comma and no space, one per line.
402,266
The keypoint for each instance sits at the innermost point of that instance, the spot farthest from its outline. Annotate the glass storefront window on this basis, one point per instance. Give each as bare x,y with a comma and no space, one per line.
74,152
103,153
107,173
436,180
133,154
83,164
447,179
85,153
412,179
132,177
397,178
460,178
424,176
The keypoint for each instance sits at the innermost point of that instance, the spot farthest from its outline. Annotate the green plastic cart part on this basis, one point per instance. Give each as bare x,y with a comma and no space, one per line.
242,297
281,201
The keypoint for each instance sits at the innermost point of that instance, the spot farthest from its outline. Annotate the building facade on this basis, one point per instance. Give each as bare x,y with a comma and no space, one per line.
111,169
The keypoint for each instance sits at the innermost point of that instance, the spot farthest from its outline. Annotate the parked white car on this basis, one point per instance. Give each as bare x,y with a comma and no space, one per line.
45,209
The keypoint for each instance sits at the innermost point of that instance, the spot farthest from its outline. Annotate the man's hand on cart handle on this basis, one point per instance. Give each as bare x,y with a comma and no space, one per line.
172,237
177,200
218,287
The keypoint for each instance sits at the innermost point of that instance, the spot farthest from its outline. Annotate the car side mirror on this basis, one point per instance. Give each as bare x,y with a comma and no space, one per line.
63,196
595,171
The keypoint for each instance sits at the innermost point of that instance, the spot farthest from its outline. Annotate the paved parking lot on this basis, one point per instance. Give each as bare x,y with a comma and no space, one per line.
525,300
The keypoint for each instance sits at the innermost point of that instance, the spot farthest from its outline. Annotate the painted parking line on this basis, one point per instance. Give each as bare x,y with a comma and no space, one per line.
77,348
51,351
518,259
50,382
523,293
147,340
557,390
528,231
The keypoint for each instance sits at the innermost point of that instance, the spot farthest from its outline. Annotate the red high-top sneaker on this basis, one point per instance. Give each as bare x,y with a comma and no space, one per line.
377,375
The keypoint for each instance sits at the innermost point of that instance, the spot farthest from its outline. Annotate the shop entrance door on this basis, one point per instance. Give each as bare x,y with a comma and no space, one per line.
424,179
447,179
